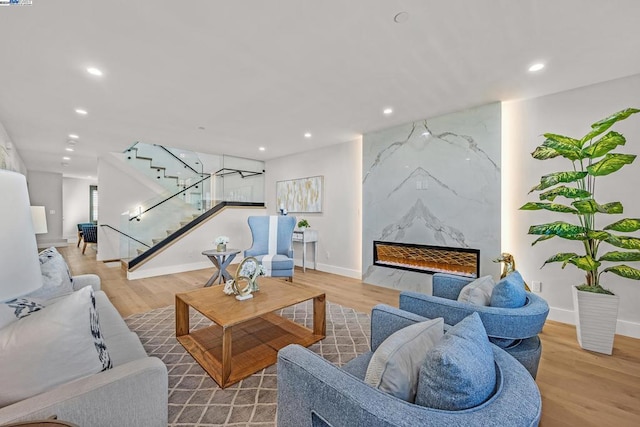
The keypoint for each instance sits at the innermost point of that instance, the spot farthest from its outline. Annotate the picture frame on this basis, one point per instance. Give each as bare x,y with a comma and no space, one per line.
301,195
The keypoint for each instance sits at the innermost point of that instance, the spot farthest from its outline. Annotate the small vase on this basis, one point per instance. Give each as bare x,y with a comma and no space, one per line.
222,247
254,285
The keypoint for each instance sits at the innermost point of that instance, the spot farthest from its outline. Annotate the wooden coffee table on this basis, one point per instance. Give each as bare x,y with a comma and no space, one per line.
247,334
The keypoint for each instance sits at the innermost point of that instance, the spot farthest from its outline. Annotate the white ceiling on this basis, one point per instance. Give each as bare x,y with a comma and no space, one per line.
262,73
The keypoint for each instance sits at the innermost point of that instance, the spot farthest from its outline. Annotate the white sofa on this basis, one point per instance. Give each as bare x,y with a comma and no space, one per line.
132,393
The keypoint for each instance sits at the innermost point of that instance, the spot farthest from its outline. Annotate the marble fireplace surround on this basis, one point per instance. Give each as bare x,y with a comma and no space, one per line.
433,182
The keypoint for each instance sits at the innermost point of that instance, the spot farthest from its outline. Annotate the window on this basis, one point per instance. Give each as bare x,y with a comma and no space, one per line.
93,203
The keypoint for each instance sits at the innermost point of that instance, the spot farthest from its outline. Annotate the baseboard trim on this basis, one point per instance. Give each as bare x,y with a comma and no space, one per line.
171,269
623,327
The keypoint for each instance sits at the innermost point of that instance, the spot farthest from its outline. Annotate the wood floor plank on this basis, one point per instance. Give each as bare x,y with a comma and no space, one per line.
579,388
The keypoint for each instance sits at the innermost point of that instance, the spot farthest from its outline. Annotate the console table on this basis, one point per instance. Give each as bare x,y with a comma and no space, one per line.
305,236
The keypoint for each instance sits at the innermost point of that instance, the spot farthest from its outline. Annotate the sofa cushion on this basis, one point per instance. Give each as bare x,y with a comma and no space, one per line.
56,278
478,292
509,292
396,363
53,346
124,348
459,372
11,311
111,323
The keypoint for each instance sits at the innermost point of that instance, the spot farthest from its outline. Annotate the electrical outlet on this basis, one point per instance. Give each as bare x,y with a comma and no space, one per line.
536,286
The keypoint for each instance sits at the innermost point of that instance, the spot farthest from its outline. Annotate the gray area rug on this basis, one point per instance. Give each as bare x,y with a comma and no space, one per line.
196,400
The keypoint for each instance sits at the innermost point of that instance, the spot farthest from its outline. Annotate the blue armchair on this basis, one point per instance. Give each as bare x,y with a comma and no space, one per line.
272,244
89,235
314,392
513,329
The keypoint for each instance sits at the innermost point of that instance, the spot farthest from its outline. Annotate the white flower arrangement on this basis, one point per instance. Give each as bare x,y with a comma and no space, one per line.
221,240
250,269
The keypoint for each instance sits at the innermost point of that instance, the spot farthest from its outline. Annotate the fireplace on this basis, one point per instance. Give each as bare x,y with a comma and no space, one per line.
427,259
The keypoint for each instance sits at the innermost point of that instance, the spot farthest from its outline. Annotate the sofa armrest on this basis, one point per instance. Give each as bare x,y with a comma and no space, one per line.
509,323
133,394
385,320
311,387
449,285
83,280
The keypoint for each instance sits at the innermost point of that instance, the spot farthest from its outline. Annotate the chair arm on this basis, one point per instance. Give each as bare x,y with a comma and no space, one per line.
252,252
385,320
308,384
510,323
83,280
449,285
133,394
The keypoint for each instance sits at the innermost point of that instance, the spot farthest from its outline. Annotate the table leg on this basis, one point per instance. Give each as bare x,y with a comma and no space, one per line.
304,256
213,278
226,355
182,318
319,317
223,267
315,255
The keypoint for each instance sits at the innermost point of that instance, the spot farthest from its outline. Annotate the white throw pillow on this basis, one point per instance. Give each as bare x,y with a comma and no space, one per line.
56,278
478,292
395,365
53,346
11,311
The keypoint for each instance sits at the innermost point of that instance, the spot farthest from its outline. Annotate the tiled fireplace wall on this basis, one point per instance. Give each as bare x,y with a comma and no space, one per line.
433,182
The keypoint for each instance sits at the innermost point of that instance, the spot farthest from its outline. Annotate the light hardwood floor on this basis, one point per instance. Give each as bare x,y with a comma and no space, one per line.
579,388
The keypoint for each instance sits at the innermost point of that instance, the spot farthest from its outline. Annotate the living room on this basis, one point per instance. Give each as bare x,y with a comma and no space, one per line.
570,93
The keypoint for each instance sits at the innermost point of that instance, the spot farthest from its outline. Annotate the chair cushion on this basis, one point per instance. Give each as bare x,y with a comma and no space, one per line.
395,364
459,372
509,292
56,278
478,292
279,262
55,345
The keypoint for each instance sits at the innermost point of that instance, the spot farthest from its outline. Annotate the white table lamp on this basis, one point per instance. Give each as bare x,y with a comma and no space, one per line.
19,263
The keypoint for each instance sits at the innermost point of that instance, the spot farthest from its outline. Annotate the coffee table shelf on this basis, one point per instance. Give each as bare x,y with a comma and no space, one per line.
247,334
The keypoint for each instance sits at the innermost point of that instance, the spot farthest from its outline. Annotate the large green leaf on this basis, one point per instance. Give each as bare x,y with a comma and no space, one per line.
598,235
611,163
544,153
560,229
604,145
617,256
611,208
555,178
568,192
626,225
624,271
565,146
590,206
543,238
554,207
623,242
599,127
585,263
561,257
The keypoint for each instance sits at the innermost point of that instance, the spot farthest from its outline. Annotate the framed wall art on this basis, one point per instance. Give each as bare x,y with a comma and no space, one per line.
302,195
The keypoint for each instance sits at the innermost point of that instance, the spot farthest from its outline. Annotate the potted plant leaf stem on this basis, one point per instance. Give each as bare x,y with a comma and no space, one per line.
591,157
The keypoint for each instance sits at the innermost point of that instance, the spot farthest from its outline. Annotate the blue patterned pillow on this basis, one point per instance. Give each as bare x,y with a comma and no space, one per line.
509,292
458,373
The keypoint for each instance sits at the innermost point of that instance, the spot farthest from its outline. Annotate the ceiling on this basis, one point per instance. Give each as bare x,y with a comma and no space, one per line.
258,73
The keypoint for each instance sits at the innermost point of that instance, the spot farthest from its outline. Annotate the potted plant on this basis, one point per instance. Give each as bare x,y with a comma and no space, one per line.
221,243
303,223
596,308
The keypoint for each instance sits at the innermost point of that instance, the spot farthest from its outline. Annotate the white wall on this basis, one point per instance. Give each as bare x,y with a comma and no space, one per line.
186,253
45,189
75,204
339,226
568,113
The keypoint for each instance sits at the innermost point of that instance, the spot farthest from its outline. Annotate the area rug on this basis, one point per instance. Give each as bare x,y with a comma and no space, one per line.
196,400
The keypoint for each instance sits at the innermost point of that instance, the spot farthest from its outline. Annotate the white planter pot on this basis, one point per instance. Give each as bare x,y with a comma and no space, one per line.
596,317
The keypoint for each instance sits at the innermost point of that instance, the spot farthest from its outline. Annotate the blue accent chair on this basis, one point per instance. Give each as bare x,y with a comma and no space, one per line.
515,330
89,235
282,259
80,231
314,392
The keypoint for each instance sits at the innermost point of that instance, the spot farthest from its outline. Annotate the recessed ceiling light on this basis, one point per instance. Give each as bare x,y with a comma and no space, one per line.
387,111
73,136
307,135
261,148
94,71
536,67
69,149
401,17
426,133
81,111
66,158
